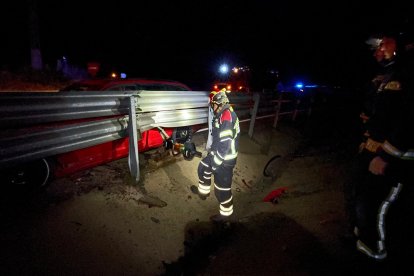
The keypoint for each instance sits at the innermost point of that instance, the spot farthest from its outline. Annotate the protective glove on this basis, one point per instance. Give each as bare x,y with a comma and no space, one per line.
377,166
213,166
168,144
189,150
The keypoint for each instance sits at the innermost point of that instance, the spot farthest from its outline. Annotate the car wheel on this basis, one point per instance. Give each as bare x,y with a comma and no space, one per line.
34,174
183,134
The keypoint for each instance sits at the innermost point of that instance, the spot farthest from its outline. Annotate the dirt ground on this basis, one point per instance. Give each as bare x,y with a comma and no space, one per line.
97,223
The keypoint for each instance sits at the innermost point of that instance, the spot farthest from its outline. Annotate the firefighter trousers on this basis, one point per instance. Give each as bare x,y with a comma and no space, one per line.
223,177
383,206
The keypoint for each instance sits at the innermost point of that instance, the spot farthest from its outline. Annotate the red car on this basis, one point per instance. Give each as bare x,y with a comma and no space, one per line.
40,172
126,85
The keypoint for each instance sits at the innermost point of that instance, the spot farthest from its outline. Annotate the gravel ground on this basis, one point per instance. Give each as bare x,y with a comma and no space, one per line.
97,223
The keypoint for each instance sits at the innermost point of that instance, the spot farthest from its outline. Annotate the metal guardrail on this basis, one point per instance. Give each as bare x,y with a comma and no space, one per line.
27,144
38,125
24,109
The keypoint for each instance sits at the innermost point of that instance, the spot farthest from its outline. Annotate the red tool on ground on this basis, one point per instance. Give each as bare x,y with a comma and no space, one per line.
274,195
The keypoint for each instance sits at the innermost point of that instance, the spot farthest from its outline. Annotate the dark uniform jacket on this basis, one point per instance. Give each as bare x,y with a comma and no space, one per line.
399,138
225,135
384,102
390,111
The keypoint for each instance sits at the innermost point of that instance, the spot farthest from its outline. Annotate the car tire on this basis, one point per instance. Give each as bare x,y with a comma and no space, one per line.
31,175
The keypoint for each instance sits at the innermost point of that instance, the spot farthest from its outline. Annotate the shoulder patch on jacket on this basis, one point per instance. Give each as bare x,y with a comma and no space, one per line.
226,116
393,85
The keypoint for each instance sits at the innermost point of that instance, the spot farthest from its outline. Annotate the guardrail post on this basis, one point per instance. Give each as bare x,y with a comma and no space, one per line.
278,107
295,112
133,158
310,107
256,99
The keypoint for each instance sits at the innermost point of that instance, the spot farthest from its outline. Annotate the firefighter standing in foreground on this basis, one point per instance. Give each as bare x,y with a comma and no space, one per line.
386,156
222,156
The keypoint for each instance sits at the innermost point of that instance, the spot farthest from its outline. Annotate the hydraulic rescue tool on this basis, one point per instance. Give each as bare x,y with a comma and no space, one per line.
187,149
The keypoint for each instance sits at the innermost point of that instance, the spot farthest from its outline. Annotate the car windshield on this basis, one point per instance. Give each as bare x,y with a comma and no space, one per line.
81,87
160,87
125,87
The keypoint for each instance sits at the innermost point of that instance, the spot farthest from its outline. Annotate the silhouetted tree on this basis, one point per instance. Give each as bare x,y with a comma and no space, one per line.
35,53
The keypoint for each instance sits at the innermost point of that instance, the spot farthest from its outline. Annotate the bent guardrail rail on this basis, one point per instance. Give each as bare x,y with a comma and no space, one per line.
38,125
23,145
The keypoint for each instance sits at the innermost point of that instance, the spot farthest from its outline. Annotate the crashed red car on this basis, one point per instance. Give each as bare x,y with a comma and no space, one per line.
40,172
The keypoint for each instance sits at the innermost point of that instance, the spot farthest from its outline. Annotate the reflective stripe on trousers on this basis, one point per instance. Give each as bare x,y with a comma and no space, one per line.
223,178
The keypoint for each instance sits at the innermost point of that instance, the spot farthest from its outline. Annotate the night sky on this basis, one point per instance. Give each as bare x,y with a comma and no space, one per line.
187,40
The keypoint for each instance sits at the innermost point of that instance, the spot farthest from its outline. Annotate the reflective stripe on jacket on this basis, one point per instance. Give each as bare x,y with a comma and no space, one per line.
225,135
393,151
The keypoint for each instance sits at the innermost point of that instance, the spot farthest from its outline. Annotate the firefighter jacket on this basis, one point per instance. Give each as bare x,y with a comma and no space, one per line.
399,143
225,137
389,110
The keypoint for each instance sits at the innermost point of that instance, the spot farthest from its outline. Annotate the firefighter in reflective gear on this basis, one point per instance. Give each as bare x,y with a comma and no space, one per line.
222,156
385,154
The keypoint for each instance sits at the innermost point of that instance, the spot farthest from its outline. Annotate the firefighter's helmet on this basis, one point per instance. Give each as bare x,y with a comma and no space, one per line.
219,98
